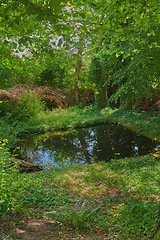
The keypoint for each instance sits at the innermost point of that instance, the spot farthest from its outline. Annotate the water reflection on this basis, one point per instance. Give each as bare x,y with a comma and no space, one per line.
84,146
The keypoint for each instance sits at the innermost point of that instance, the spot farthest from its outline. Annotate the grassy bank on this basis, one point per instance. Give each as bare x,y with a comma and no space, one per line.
115,200
144,123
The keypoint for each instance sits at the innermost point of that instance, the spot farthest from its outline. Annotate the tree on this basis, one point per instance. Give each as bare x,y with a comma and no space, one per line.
37,26
130,45
21,22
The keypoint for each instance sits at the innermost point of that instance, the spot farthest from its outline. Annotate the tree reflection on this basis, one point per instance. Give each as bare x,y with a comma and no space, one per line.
103,149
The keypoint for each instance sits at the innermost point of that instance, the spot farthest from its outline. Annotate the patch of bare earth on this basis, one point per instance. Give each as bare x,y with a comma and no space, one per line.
34,228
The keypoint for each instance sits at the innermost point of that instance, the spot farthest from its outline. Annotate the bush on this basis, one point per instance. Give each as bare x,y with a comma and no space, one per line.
6,80
8,176
27,106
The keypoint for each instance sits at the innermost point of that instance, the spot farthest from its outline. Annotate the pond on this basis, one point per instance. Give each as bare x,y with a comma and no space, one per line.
84,146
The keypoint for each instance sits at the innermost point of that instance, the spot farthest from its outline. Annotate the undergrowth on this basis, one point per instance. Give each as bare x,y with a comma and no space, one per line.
8,179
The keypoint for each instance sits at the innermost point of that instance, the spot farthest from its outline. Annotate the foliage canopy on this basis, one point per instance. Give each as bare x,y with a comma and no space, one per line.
124,34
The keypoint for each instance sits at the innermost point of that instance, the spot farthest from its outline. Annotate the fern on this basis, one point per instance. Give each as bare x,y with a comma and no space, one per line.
76,219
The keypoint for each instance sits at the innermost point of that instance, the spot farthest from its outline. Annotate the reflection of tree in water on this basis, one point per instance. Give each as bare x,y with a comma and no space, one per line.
102,149
69,148
123,142
82,146
116,142
127,143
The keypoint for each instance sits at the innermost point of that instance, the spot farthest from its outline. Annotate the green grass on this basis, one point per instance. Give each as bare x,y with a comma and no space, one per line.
127,191
74,117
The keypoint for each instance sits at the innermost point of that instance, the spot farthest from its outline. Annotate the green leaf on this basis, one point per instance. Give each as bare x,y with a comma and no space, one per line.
119,30
117,55
105,26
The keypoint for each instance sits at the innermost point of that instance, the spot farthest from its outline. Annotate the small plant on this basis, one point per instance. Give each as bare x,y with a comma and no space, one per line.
79,219
137,218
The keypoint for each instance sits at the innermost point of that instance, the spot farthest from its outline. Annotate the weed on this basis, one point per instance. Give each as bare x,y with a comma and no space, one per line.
80,219
7,238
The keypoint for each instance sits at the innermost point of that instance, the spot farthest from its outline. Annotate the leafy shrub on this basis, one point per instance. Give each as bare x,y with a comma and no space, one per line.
28,106
8,176
157,236
6,80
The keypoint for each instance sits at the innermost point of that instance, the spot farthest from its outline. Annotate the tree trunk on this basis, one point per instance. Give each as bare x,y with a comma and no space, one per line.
24,166
76,91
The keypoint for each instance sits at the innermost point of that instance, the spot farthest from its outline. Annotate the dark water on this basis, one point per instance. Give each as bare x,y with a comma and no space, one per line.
84,146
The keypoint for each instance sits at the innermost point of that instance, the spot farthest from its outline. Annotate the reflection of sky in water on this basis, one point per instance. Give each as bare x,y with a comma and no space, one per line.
83,146
91,132
48,160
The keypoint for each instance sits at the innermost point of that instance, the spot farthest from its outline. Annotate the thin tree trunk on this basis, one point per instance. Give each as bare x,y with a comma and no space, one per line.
77,73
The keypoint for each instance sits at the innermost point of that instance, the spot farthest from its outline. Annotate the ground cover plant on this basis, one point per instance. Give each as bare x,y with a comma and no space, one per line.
8,176
118,199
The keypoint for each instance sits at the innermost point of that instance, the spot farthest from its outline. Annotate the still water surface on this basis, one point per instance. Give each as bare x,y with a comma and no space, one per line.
84,146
